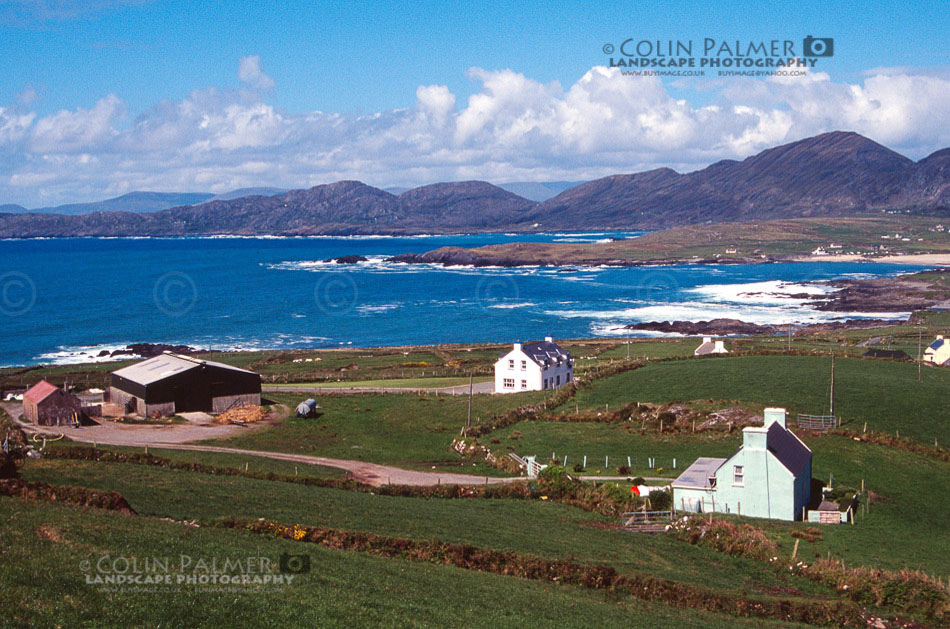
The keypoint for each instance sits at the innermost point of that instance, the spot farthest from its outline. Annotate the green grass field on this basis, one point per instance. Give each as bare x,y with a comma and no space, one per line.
530,527
884,394
410,430
47,544
395,383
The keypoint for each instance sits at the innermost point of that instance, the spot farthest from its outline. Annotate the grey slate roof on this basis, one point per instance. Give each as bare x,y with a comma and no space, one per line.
165,365
543,352
696,476
937,344
786,447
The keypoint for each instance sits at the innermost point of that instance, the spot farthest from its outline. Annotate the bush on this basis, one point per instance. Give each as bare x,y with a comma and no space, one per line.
578,467
660,500
553,474
639,480
623,470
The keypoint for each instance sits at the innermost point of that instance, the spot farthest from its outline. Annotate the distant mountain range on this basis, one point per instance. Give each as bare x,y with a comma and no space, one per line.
833,174
137,202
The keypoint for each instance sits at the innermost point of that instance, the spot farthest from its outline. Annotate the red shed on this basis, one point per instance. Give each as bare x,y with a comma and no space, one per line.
48,405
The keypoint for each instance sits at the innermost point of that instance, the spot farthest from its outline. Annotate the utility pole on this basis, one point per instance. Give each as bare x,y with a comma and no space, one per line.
920,337
471,386
832,400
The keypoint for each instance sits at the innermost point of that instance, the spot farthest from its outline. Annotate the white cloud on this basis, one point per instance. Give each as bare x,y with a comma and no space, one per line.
251,73
512,128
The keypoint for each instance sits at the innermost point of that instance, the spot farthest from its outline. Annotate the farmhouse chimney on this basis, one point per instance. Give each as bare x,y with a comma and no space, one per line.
707,339
774,416
720,347
517,347
549,339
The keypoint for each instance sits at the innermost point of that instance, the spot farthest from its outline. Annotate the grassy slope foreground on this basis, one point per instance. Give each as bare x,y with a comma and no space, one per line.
43,584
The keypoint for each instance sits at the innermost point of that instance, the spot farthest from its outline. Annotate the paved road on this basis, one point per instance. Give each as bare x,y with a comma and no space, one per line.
462,389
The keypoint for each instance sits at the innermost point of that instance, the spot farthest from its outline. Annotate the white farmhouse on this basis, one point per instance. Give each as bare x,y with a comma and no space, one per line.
533,367
938,352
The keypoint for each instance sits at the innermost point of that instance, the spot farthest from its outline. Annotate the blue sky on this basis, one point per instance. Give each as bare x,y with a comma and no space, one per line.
114,65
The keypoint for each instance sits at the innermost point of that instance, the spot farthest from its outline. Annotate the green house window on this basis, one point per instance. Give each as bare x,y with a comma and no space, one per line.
738,477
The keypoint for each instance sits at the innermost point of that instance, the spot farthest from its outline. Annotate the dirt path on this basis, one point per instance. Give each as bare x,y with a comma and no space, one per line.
177,437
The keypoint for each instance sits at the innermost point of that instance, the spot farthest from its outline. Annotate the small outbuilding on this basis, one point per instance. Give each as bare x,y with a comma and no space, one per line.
175,383
710,347
45,404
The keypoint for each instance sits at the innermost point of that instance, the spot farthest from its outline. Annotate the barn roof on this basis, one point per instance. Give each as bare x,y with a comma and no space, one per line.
39,391
166,365
788,449
887,353
696,476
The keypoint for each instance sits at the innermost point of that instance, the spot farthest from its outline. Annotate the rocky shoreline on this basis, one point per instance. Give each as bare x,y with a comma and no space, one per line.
729,327
457,256
147,350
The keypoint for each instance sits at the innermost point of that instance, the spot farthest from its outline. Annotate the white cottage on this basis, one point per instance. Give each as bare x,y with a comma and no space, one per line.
710,347
938,352
533,367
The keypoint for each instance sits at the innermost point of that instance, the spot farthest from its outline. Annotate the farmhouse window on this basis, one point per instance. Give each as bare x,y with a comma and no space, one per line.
524,384
524,365
511,363
509,383
738,477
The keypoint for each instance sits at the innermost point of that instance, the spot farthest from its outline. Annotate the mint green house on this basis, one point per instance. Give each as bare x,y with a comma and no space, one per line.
769,476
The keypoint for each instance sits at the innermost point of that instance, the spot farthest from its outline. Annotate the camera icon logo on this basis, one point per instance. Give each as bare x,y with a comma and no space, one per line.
818,47
294,564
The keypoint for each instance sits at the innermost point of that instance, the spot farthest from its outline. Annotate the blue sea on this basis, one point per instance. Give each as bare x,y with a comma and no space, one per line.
65,300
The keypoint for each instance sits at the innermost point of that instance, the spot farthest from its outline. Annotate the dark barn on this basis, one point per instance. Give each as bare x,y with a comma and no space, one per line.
48,405
894,354
173,383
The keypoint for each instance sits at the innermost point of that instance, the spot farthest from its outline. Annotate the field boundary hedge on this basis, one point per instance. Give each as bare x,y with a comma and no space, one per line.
591,576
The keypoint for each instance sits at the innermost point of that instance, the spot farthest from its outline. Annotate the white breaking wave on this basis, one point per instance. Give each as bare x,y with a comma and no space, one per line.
704,311
523,304
76,354
369,308
768,292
